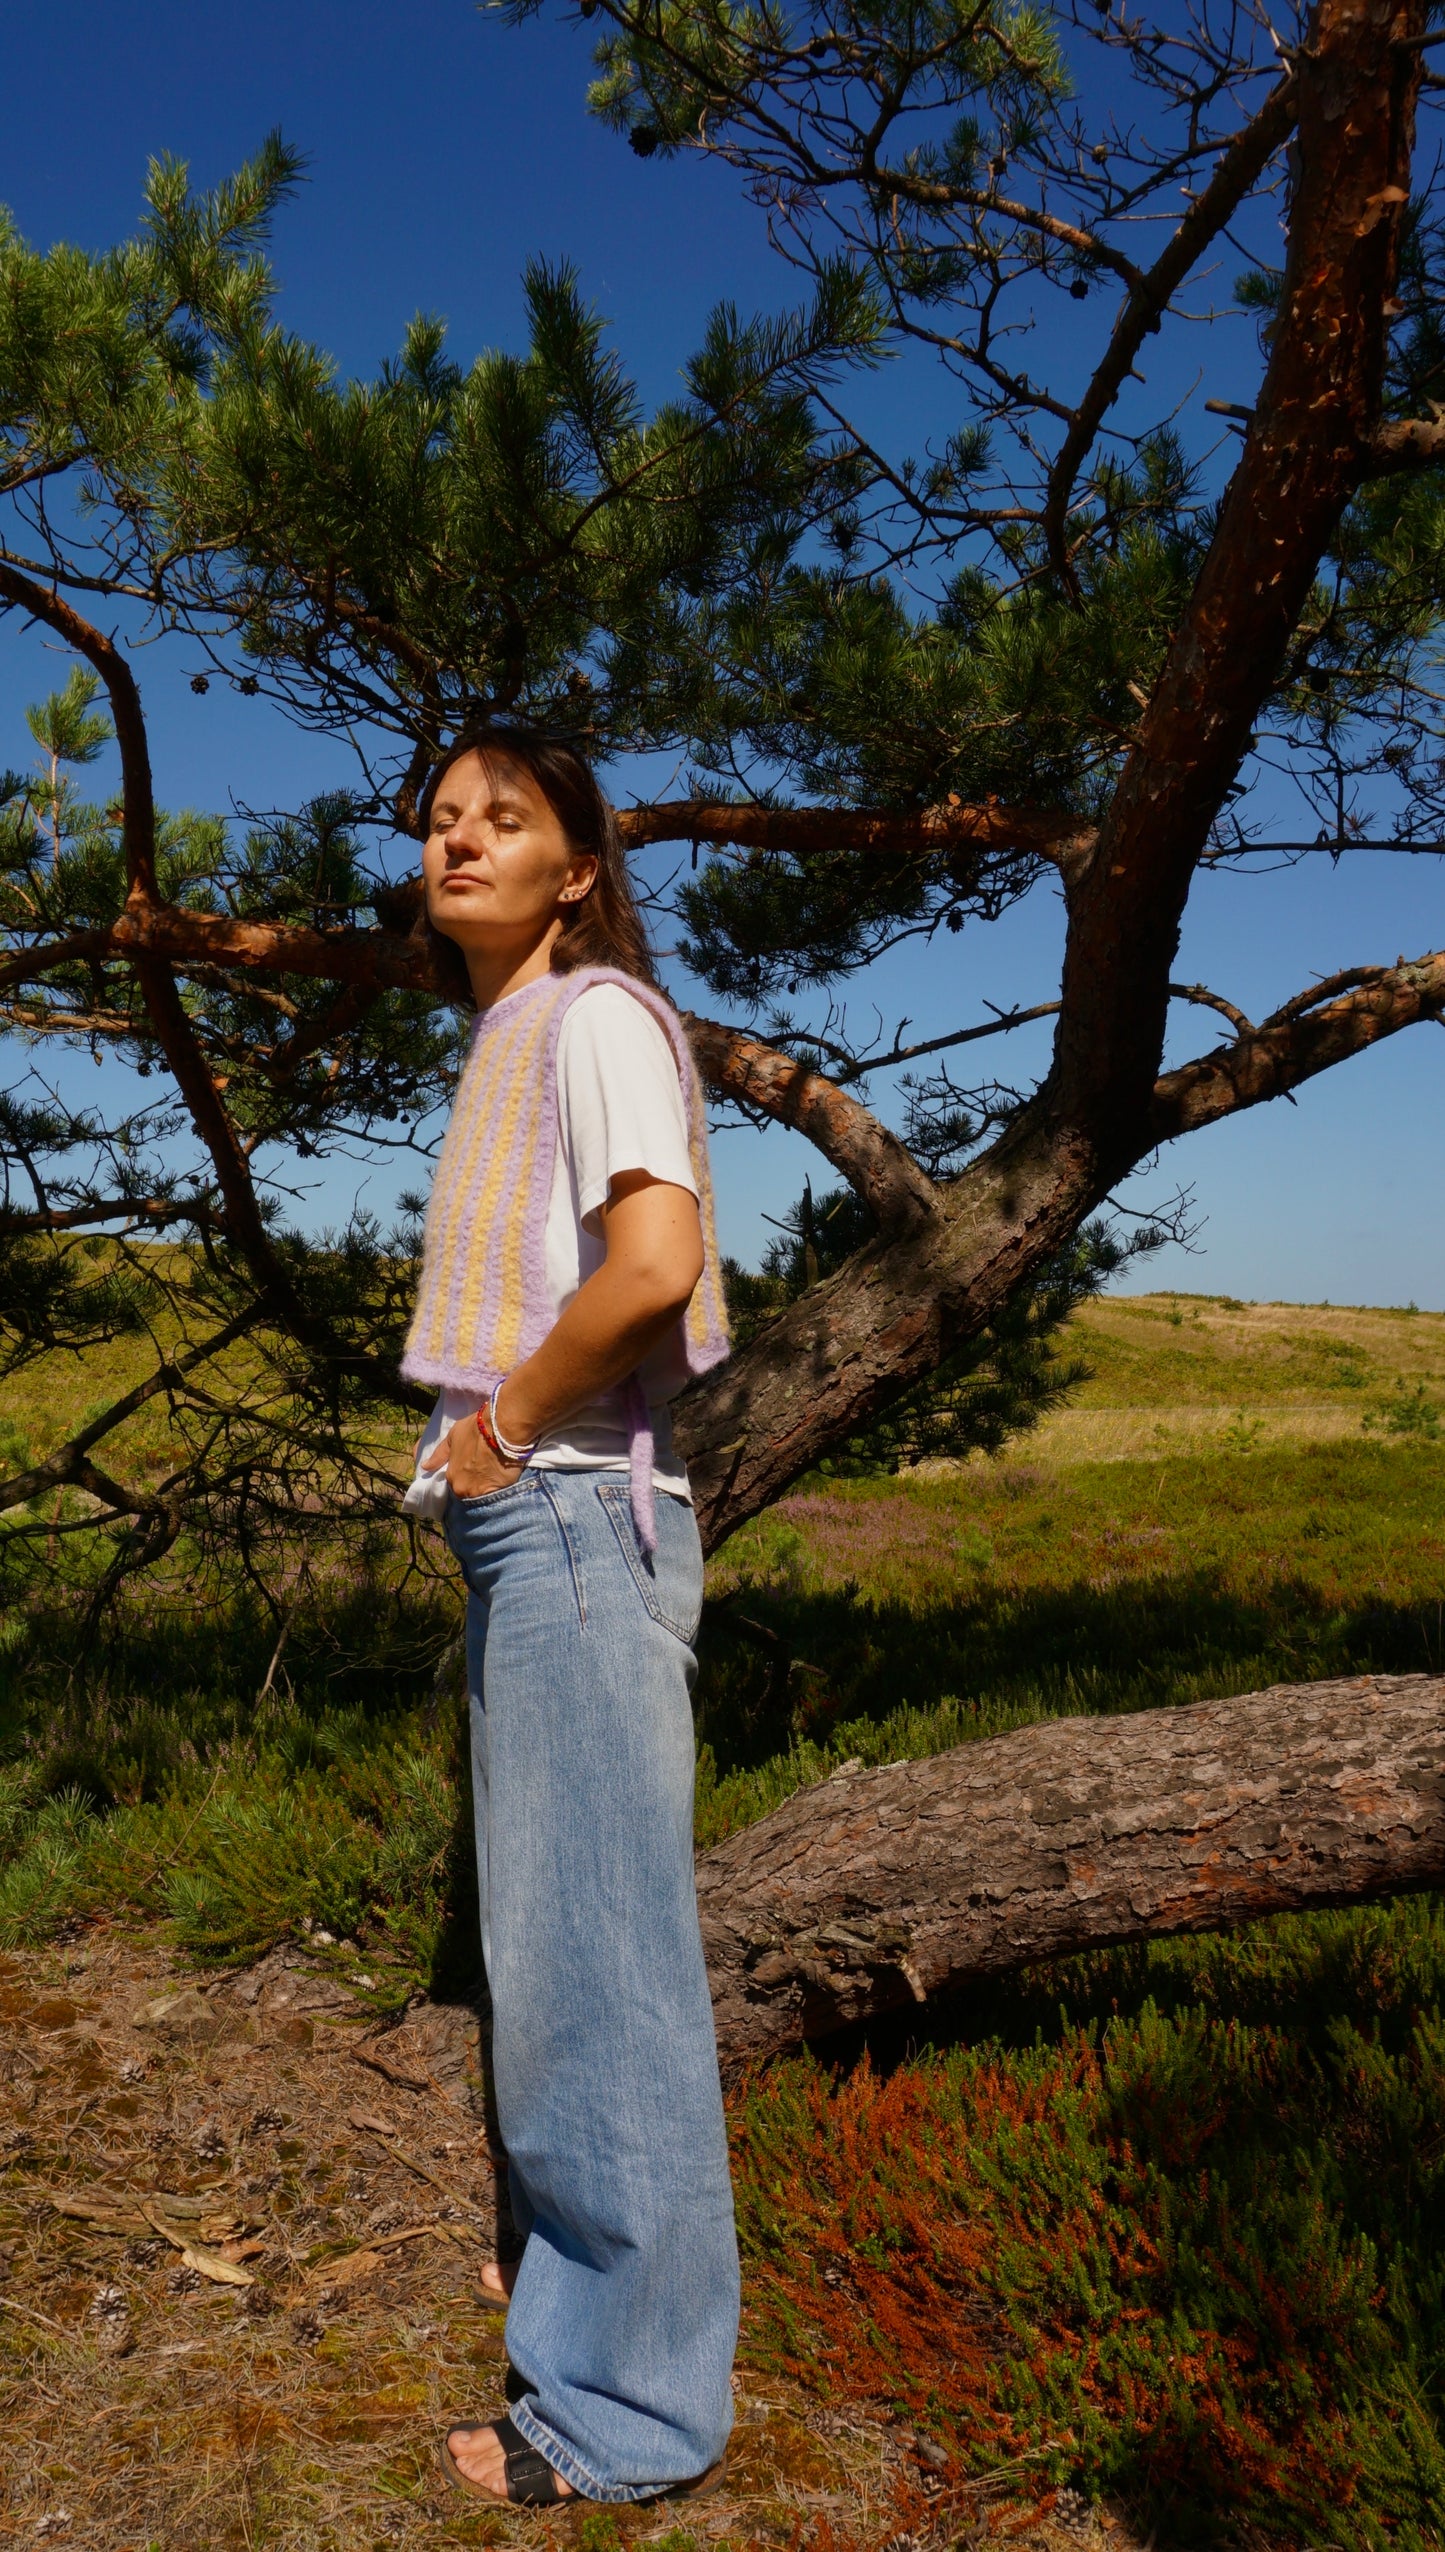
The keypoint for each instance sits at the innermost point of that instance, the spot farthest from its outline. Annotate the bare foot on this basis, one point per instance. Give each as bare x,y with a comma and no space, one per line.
499,2277
478,2456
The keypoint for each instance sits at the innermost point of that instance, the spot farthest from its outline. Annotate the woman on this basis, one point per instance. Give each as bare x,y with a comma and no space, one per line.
569,1286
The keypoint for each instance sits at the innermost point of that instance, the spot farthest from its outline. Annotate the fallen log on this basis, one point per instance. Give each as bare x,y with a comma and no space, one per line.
874,1889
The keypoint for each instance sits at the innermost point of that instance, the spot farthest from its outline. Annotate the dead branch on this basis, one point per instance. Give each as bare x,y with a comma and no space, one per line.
1406,443
68,1466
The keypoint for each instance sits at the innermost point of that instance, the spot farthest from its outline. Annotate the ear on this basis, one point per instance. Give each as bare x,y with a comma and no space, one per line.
581,878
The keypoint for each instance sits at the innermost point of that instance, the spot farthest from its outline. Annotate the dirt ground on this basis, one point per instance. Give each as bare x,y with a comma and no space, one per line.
240,2227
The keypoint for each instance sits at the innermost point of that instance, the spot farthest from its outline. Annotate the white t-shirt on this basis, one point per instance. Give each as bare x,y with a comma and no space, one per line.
619,1108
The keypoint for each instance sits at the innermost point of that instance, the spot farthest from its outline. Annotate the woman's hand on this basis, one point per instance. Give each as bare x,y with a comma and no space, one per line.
473,1470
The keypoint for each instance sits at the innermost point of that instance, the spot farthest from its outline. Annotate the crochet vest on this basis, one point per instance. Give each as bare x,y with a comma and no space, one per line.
482,1303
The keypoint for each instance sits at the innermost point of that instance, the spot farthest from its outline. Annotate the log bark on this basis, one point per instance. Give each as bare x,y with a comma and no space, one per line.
876,1889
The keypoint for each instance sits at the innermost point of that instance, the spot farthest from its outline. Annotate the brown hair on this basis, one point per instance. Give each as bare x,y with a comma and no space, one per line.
604,927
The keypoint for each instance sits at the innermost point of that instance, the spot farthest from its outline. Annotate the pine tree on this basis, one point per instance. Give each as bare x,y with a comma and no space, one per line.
68,729
908,689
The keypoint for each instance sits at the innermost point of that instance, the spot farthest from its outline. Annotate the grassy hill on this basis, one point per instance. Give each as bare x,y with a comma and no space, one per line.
1170,1372
1184,1371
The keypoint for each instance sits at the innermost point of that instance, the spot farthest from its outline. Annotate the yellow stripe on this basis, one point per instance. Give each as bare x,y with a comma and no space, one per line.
449,1223
426,1339
517,1064
707,1311
449,1194
512,1236
511,1239
473,1235
479,1205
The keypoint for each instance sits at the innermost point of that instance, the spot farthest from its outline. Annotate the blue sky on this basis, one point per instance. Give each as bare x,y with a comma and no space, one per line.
444,151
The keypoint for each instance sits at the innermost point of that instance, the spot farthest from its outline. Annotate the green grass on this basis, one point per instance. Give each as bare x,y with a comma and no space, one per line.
1167,2223
1176,1372
166,1780
872,1620
1189,1348
934,1611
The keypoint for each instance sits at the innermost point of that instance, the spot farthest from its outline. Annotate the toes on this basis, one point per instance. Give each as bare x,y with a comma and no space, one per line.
478,2458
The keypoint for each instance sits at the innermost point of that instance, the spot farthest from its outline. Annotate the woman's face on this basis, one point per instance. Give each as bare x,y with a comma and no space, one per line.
498,868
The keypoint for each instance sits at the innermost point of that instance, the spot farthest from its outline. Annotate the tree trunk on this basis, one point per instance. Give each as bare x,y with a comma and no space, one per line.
874,1889
853,1343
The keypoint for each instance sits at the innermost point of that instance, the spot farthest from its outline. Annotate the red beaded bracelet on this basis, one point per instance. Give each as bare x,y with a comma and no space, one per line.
486,1430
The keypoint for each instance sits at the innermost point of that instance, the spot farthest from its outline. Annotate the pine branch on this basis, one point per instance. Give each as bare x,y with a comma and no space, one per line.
153,1211
172,1029
889,1181
1306,1036
1241,164
68,1467
1049,833
138,798
856,1342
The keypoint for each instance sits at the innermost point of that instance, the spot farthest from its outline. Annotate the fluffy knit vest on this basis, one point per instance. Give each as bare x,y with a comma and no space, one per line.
482,1302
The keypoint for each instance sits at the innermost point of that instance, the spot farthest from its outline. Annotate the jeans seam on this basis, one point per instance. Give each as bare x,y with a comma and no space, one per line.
613,1501
579,1589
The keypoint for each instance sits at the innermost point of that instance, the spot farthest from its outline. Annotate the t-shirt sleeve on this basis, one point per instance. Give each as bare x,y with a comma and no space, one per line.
619,1098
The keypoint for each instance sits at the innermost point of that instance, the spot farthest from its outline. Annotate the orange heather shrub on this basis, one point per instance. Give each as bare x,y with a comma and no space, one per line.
1098,2262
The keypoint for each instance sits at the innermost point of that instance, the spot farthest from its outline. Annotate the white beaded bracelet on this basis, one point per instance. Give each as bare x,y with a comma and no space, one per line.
521,1453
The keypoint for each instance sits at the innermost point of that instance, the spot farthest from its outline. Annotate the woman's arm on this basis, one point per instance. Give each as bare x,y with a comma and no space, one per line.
652,1235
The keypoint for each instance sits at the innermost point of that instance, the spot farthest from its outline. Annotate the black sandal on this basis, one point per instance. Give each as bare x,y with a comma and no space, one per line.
531,2481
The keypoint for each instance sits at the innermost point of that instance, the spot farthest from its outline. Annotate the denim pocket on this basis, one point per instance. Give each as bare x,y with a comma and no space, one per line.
461,1514
682,1620
489,1497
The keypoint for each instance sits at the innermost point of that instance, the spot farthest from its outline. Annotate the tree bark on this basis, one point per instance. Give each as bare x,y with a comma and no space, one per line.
1308,447
893,1312
873,1890
1047,833
947,1260
887,1318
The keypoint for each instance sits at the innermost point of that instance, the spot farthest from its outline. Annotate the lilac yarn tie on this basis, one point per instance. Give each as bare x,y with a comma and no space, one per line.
640,1450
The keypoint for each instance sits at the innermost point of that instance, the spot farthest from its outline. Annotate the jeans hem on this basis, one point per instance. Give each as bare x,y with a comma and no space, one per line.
562,2459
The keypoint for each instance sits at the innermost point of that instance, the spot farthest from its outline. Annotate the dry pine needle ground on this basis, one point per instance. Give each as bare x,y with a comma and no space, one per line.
203,2132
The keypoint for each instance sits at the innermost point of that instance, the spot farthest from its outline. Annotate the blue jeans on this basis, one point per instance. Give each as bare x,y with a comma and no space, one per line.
624,2316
